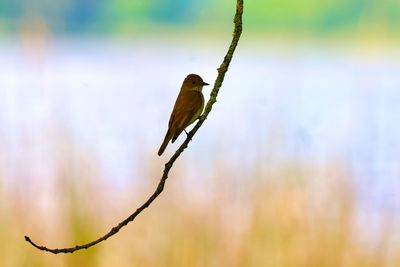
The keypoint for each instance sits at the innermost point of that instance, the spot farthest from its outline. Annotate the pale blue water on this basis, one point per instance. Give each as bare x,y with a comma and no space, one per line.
305,105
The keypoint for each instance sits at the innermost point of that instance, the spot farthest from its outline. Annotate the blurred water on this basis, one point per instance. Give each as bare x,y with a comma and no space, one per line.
307,104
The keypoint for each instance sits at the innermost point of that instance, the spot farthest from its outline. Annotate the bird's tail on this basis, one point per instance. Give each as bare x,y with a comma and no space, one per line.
167,138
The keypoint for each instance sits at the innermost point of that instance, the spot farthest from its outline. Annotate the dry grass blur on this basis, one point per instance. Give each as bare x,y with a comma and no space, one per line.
296,216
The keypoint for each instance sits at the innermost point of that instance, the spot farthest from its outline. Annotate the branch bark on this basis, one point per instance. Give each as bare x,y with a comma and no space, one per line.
213,98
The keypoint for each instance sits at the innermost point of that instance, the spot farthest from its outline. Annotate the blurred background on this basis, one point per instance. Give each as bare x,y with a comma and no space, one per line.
297,165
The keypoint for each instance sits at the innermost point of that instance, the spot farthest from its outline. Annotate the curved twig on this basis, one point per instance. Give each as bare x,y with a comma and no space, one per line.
213,98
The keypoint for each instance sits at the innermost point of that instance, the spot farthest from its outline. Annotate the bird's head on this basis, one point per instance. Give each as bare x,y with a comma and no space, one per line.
193,82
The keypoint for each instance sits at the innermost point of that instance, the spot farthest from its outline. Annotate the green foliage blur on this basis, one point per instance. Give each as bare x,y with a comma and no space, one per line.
113,16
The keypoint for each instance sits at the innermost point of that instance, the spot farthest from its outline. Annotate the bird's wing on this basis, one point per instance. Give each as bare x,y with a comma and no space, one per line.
188,105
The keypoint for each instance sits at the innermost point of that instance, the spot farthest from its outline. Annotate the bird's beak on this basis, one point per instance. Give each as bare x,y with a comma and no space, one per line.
205,84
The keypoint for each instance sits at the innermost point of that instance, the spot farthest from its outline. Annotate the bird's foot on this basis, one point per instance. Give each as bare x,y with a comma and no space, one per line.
187,134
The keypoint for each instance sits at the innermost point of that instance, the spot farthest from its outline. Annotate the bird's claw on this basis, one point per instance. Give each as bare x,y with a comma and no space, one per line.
187,134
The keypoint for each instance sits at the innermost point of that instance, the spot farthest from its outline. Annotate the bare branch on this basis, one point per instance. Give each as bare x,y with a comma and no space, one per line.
213,98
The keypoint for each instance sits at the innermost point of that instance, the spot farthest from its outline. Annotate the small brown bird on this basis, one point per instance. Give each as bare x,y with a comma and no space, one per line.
187,109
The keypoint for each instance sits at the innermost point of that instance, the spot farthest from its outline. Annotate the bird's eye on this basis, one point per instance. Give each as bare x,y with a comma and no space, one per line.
194,82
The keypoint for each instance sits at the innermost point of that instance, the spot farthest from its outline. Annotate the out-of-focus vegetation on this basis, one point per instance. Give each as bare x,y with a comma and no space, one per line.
291,16
281,217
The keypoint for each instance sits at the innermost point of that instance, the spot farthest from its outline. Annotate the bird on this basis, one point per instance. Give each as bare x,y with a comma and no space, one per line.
187,109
